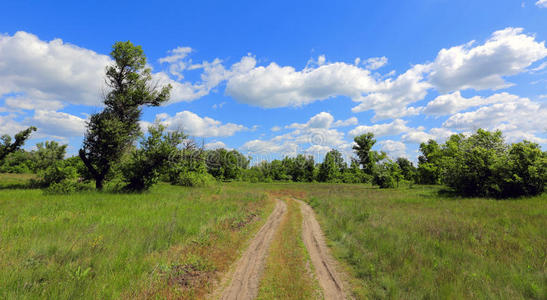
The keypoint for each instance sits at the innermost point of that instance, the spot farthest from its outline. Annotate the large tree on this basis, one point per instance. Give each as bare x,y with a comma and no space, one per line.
112,131
7,147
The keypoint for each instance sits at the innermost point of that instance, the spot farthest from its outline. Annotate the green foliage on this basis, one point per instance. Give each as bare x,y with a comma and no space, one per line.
387,175
111,132
367,158
57,173
226,165
47,154
194,179
483,165
527,169
146,163
429,169
332,167
7,147
408,171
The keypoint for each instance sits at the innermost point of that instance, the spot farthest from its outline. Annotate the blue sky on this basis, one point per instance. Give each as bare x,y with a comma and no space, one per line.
284,77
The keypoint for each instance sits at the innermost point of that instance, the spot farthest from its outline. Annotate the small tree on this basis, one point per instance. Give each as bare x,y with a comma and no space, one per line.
112,131
367,158
146,163
7,147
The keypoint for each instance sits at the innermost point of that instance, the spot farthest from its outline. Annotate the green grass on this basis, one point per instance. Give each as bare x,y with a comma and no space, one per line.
398,243
101,245
413,243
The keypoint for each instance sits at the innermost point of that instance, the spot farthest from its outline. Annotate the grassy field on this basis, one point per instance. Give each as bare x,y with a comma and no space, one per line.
173,241
414,243
169,242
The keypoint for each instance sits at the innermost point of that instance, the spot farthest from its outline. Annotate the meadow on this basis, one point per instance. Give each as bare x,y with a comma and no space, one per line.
419,242
169,242
411,242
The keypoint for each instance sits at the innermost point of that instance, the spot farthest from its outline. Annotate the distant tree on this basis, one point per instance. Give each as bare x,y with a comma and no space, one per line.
367,157
526,170
332,167
112,131
7,147
429,163
47,154
387,175
226,165
407,168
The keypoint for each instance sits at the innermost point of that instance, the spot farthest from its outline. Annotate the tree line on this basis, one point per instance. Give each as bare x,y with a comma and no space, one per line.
116,151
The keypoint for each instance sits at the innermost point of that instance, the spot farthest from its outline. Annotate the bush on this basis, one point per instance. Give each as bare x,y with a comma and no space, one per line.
55,174
194,179
62,188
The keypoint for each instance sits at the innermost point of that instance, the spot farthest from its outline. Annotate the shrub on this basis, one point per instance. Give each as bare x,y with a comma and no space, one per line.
55,174
194,179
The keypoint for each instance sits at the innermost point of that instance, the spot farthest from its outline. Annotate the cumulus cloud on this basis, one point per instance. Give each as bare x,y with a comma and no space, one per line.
542,3
421,136
215,145
50,124
194,125
452,103
317,134
344,123
517,119
49,71
507,52
374,63
396,127
58,124
394,149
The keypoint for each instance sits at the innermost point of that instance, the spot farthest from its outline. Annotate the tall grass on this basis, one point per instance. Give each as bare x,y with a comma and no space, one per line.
413,243
101,245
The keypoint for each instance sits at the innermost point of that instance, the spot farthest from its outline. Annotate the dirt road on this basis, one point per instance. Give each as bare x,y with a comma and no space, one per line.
245,279
324,264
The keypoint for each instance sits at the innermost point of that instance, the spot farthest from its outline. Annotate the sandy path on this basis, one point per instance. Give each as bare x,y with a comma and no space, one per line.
245,279
324,264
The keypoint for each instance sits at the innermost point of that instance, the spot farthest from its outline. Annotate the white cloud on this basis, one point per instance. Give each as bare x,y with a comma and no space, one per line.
269,147
513,118
396,127
50,71
194,125
57,124
315,136
420,136
452,103
275,86
507,52
276,128
215,145
349,122
542,3
390,98
394,149
374,63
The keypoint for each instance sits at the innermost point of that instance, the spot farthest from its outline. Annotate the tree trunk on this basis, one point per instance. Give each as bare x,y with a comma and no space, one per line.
99,184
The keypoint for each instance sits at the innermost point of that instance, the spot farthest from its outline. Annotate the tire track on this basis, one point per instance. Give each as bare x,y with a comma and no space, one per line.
245,279
324,264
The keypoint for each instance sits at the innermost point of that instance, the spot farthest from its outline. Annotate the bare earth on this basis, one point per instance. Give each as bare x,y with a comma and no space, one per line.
245,279
324,264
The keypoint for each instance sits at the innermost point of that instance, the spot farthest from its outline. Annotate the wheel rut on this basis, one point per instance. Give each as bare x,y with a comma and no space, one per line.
245,278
